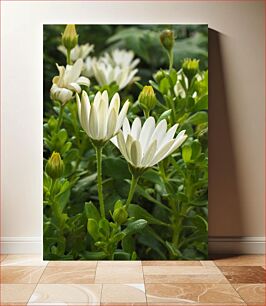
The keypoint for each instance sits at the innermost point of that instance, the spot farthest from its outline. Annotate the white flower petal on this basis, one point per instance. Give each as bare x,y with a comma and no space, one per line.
93,123
136,128
149,155
85,112
136,153
111,124
129,142
75,87
146,132
122,115
126,128
83,81
102,115
75,71
178,142
122,145
159,131
161,154
115,103
169,135
97,100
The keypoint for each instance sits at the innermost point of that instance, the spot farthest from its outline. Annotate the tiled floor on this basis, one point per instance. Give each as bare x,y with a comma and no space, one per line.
228,281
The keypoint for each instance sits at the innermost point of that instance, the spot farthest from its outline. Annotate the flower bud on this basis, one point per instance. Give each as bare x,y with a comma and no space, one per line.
120,215
167,39
70,37
147,98
158,76
190,67
55,166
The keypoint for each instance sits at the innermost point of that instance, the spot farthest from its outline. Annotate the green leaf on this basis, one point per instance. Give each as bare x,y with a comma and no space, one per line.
140,213
120,255
94,255
135,226
116,167
128,244
117,237
165,115
164,86
202,103
91,211
196,149
92,228
198,118
104,227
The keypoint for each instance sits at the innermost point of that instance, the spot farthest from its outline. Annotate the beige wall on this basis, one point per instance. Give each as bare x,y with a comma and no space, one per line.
236,104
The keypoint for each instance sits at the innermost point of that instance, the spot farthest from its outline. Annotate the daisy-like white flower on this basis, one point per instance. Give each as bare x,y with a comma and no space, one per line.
80,51
144,146
100,120
87,70
68,81
121,58
105,74
118,67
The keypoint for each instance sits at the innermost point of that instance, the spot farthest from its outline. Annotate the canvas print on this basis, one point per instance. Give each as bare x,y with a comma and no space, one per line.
125,142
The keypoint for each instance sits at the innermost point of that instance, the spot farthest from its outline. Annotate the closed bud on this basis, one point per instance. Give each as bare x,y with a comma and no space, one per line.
167,39
190,67
70,37
120,215
55,166
158,76
147,98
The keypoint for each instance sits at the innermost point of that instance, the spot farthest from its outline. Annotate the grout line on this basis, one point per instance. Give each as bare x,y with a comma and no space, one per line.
37,283
144,282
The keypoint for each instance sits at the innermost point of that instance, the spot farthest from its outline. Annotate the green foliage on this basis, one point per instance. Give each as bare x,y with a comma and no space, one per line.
167,216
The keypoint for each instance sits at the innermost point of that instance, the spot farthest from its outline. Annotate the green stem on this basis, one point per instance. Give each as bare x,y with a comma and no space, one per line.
171,59
146,113
68,57
99,180
60,118
133,186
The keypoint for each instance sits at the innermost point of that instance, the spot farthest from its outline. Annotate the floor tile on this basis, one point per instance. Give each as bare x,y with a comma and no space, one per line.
183,274
21,275
64,294
192,293
119,272
251,293
24,260
16,293
123,293
69,275
208,263
248,274
242,260
73,263
170,263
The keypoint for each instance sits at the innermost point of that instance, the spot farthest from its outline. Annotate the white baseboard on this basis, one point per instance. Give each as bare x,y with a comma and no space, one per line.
217,245
21,245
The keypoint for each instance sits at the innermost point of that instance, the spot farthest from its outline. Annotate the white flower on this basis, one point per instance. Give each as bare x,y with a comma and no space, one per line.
178,88
105,74
67,82
121,58
100,120
145,146
116,67
81,51
87,67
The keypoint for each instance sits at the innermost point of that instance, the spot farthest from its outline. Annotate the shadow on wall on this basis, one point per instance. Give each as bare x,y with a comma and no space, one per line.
225,216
